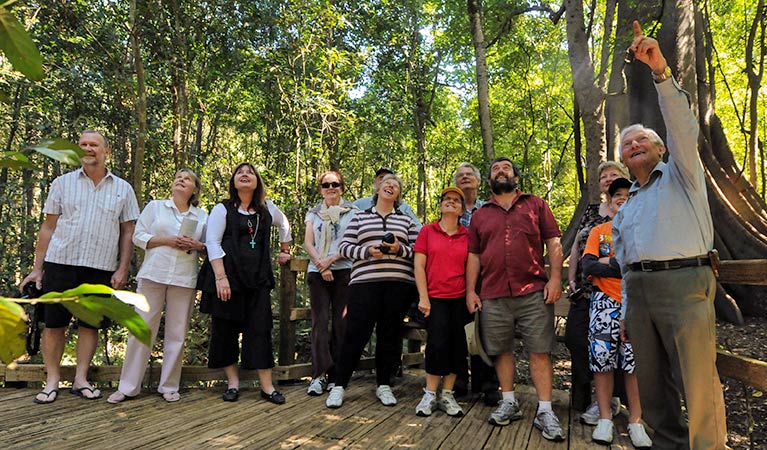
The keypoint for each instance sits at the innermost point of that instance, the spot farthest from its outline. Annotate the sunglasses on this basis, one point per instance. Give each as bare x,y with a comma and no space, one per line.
332,184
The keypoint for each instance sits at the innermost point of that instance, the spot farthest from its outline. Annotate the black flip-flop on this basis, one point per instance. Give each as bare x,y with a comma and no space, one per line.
47,397
79,392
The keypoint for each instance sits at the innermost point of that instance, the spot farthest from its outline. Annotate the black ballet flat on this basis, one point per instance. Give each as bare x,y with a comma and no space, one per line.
275,397
231,395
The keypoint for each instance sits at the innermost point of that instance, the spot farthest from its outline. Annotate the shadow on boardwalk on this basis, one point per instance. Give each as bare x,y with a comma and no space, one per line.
202,420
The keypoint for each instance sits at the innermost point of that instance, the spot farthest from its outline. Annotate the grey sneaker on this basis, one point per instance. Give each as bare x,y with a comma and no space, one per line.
591,415
316,387
506,412
603,433
638,435
547,422
384,393
448,404
426,405
336,397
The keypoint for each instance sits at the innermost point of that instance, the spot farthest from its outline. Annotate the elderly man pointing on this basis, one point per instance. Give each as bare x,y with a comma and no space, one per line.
662,237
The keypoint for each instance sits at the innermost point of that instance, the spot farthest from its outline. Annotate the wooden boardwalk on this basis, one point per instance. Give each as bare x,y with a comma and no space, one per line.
201,420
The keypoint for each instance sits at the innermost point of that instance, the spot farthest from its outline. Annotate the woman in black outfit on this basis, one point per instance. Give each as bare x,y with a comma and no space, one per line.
237,281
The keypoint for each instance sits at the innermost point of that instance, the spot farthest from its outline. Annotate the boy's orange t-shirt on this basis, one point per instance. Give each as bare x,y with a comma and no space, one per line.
600,244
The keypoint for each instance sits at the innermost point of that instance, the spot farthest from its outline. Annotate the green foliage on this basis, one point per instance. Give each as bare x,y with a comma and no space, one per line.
13,328
18,46
59,150
298,87
88,302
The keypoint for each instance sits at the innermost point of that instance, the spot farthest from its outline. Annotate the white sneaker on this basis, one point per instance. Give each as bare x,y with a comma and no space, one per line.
448,404
603,433
384,393
638,435
505,413
591,415
548,423
426,405
336,397
316,387
330,387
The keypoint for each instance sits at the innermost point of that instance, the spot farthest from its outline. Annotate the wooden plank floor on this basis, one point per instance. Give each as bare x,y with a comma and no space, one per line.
201,420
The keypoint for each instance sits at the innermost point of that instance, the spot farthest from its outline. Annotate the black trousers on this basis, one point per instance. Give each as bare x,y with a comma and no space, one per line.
256,330
381,305
446,340
577,341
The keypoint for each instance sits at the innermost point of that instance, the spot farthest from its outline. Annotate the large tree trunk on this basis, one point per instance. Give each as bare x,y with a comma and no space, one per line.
739,214
483,89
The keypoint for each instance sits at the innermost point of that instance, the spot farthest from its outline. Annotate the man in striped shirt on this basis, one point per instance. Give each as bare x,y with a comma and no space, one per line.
86,237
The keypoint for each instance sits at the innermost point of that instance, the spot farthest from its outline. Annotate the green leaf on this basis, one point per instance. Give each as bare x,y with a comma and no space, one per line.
13,329
61,150
19,47
5,98
15,160
91,302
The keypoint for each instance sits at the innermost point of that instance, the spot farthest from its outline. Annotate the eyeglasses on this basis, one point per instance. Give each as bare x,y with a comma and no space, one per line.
332,184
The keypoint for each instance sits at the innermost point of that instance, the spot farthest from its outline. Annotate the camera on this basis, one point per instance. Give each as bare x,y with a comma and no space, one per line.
30,290
389,240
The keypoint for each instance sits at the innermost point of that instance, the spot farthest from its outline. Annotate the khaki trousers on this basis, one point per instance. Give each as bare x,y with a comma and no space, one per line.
671,324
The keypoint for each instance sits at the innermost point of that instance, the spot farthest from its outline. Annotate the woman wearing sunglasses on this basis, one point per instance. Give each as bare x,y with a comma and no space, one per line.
327,277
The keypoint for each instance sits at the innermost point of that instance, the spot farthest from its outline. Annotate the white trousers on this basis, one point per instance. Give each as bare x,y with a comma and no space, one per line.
177,302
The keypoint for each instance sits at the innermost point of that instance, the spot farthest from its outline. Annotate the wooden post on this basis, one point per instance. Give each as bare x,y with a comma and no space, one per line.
287,346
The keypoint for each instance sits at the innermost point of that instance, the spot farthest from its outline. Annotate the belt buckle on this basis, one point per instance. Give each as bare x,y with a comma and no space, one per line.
644,268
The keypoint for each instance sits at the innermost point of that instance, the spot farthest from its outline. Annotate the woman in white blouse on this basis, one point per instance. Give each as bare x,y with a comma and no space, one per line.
171,231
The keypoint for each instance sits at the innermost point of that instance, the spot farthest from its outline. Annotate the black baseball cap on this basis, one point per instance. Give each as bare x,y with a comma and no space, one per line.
384,170
618,183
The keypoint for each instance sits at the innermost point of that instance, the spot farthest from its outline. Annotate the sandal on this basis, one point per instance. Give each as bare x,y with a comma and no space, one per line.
118,397
47,399
171,397
95,394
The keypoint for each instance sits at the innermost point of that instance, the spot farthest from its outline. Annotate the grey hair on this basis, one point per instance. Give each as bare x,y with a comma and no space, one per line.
652,134
471,166
103,136
614,165
391,176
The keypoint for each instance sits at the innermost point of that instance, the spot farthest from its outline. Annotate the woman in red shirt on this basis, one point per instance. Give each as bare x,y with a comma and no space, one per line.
441,251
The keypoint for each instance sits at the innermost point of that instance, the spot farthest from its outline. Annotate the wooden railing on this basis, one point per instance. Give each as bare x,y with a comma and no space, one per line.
748,370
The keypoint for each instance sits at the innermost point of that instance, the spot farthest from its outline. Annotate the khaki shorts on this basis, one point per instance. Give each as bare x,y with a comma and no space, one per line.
529,314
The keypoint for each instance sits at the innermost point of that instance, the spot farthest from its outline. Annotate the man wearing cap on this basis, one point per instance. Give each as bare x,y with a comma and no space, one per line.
662,236
506,242
366,203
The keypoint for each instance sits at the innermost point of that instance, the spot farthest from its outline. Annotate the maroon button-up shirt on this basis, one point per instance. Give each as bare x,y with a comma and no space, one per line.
510,245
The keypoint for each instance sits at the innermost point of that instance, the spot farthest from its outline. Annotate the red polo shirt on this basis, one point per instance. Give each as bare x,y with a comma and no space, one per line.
510,245
445,260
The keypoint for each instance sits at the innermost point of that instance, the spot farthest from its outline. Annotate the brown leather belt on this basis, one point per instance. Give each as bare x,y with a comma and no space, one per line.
653,266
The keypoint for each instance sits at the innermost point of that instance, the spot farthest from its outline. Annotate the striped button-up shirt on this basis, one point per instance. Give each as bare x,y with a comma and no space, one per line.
87,231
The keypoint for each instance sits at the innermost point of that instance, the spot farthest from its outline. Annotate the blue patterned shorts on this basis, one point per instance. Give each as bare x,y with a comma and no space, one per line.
606,351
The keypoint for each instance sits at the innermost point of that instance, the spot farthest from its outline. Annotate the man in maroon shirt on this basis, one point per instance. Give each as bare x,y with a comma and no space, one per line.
506,241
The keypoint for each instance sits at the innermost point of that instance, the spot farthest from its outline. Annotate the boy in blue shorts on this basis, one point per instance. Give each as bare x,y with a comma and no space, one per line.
607,351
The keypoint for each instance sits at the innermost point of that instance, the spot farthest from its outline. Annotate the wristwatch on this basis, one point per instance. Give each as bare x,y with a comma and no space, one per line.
663,76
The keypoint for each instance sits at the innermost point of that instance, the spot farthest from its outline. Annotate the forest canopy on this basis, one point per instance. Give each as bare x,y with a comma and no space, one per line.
301,86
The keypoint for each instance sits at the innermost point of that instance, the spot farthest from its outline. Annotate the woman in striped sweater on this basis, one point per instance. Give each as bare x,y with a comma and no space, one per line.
381,288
